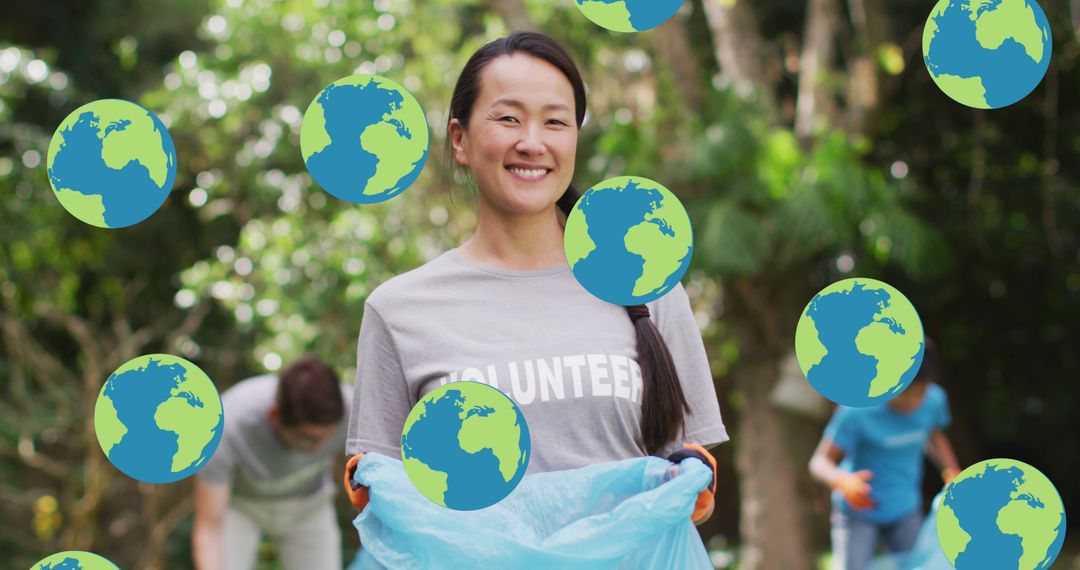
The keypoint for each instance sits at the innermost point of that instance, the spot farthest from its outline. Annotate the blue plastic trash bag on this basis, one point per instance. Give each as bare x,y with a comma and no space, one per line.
926,554
619,514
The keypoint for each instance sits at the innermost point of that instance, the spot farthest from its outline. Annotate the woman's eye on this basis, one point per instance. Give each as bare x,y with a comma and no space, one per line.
507,117
557,122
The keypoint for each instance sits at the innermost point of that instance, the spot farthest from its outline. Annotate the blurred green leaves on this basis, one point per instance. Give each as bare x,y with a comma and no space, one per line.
734,241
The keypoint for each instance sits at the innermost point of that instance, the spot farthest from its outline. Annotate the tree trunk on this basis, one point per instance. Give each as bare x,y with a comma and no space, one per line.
739,49
863,91
674,47
771,449
815,106
1074,12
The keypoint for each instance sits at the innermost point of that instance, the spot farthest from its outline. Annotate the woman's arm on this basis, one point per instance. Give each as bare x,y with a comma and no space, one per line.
381,398
674,318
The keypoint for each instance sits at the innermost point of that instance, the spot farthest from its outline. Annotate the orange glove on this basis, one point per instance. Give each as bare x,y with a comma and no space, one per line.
358,494
855,489
704,502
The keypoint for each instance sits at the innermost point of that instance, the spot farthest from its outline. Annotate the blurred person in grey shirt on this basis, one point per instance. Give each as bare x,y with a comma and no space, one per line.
271,473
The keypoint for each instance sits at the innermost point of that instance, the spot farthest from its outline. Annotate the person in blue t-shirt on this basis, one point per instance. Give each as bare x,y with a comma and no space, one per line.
872,459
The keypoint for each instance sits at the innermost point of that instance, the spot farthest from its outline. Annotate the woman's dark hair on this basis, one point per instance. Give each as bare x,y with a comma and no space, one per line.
664,407
309,392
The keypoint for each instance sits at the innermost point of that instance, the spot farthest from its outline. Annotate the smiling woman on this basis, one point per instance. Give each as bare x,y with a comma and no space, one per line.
504,308
520,139
513,126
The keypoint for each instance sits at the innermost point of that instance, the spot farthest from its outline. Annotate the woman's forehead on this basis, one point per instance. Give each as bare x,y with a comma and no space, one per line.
523,80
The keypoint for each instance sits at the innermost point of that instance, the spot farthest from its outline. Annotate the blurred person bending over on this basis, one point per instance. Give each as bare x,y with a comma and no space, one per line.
271,473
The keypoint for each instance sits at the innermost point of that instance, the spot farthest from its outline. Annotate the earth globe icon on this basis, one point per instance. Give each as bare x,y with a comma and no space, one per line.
465,445
74,560
111,163
628,15
158,418
628,240
987,54
859,342
1001,513
364,139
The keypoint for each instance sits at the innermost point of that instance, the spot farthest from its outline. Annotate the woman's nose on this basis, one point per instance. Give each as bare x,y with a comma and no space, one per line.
531,140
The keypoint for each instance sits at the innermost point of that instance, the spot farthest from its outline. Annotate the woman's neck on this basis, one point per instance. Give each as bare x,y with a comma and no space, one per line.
520,242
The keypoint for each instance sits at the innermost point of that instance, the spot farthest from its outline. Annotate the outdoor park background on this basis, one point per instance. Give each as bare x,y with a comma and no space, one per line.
806,138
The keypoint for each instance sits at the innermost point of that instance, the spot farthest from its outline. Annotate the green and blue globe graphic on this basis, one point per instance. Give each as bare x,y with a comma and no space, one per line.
158,418
859,342
111,163
1001,513
364,139
74,560
628,240
465,445
628,15
987,53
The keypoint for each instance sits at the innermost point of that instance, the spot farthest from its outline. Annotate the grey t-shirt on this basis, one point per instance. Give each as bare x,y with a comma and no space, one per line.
253,460
567,358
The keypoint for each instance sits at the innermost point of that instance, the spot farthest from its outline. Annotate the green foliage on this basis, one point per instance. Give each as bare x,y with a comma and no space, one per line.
763,203
734,239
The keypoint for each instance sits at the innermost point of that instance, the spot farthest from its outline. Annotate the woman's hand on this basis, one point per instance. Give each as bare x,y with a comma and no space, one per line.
703,507
358,494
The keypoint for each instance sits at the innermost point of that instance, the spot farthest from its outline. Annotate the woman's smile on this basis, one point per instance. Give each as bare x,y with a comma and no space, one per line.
528,173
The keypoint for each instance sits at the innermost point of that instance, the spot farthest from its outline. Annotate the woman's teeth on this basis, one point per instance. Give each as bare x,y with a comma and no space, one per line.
537,173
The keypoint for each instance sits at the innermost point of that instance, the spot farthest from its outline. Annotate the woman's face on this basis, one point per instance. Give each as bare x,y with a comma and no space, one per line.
522,136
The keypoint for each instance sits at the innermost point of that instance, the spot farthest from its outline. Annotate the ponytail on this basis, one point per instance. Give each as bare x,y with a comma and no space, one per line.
664,406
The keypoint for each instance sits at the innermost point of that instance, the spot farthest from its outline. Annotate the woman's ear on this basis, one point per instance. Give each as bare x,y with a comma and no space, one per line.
457,141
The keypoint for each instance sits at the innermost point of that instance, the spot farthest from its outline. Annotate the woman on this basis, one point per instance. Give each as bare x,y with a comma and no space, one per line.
595,381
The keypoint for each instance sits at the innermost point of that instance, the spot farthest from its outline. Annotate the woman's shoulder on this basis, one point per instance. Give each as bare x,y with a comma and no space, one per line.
674,301
397,290
675,296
